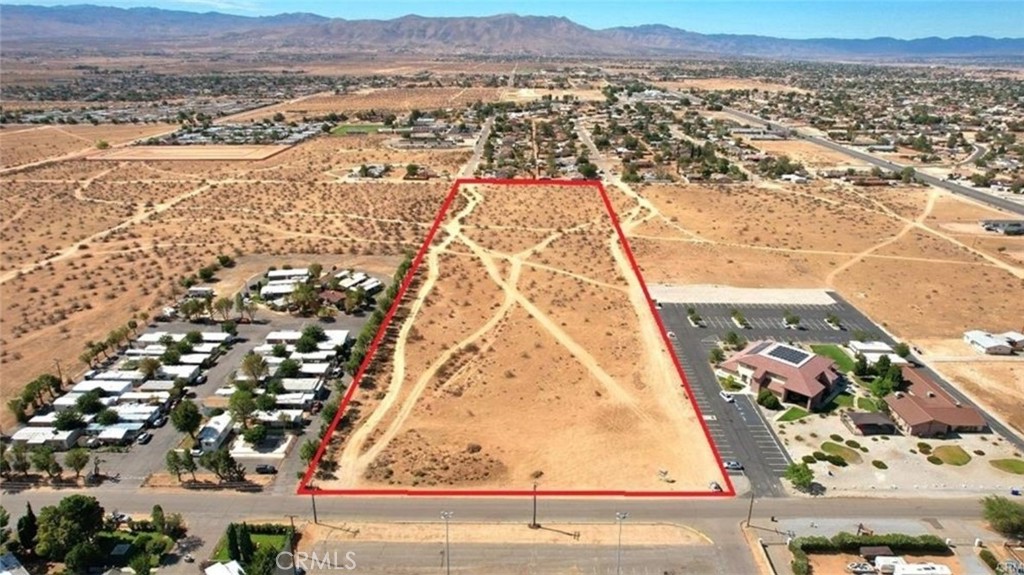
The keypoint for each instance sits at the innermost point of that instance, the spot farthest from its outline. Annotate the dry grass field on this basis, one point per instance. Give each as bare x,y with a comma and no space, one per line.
189,153
812,156
523,356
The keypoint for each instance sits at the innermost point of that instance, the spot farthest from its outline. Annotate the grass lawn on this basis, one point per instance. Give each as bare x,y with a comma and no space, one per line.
108,540
843,400
793,414
1009,465
868,404
848,454
356,129
729,384
952,455
220,553
843,361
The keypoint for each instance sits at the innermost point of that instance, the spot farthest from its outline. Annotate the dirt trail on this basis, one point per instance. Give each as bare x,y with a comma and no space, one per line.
351,464
72,249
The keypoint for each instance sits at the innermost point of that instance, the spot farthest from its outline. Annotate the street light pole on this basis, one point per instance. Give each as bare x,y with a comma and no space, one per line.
446,515
750,510
620,516
534,524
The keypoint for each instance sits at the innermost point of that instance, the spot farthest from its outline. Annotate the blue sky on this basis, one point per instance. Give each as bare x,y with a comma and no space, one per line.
782,18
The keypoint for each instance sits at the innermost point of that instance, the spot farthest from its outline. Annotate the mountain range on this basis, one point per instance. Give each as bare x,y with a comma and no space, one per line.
503,34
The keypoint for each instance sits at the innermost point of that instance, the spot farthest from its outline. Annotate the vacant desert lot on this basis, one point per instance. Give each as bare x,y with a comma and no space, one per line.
712,84
395,100
812,156
899,254
190,153
525,351
25,145
87,244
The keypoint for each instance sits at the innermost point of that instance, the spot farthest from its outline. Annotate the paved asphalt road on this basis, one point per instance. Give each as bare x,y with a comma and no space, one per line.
983,197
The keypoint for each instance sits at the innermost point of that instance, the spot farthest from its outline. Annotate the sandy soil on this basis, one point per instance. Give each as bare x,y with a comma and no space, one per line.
495,340
315,536
728,84
33,144
531,94
999,385
810,155
190,153
397,99
86,245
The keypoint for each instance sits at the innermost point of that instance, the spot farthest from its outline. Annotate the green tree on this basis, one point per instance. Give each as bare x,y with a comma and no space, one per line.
266,401
768,400
188,463
173,463
44,460
90,402
186,418
246,548
304,296
18,457
305,344
902,349
76,519
157,518
83,556
308,450
882,366
76,460
279,350
28,528
263,561
289,368
860,365
255,434
232,537
800,475
5,530
223,305
149,366
141,564
1005,516
68,419
107,417
254,367
716,356
411,170
242,405
17,406
221,464
316,332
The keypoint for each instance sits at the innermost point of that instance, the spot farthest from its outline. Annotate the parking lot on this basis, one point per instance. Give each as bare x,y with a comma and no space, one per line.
738,429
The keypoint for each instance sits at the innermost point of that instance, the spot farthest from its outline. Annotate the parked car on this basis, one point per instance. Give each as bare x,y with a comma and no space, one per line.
264,469
714,486
93,442
726,396
160,421
732,465
201,379
195,452
144,438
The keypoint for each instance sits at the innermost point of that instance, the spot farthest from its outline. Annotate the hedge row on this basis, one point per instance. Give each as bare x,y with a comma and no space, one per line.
844,542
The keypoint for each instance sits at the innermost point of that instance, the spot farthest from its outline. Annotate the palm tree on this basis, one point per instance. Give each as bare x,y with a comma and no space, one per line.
254,367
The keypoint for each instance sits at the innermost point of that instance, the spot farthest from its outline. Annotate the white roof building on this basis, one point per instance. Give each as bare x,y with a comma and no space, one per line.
283,336
152,350
301,384
108,387
194,358
313,356
122,375
287,274
70,401
186,372
51,436
156,336
275,291
299,400
872,358
314,368
987,343
867,347
157,385
279,416
229,568
216,430
136,412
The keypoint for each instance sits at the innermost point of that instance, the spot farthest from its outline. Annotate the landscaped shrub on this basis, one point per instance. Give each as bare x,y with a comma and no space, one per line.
835,460
852,443
979,452
989,560
924,447
879,464
800,564
820,455
836,437
934,460
808,459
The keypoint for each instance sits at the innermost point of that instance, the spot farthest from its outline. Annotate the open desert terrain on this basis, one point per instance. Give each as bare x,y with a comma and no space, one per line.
525,351
190,153
26,145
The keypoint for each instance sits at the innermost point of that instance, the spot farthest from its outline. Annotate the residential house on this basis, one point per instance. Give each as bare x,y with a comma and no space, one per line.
924,409
987,343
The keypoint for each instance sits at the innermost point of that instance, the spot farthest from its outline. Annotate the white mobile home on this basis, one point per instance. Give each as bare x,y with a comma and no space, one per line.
297,273
283,336
172,372
70,401
213,434
371,285
275,291
107,387
46,436
301,384
137,412
987,343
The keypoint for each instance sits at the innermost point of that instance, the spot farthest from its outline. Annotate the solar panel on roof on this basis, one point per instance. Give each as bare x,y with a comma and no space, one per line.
789,354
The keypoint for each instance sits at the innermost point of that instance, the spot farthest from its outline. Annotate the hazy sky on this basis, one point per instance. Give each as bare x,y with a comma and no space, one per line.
782,18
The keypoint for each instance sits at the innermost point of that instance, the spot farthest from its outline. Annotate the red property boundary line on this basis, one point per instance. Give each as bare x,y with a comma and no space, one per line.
304,485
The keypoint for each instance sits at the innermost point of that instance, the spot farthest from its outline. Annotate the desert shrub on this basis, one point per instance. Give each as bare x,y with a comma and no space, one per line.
820,455
923,447
979,452
836,437
835,460
808,459
879,464
473,448
852,443
934,460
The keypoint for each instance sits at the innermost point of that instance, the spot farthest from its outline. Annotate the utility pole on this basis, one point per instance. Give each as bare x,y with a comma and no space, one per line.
446,515
750,510
620,516
312,497
534,524
291,545
60,375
